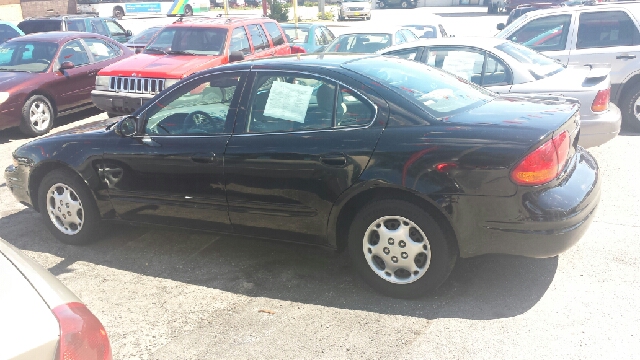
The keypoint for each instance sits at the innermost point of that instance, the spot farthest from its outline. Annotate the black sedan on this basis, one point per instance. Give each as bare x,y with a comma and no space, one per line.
403,164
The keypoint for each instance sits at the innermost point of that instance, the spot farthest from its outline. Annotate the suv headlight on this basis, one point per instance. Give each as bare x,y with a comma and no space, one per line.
169,82
102,82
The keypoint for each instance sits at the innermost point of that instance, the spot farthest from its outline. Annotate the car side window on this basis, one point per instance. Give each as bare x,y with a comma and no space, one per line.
290,103
98,27
320,39
409,54
464,63
328,34
276,34
198,107
352,109
256,38
76,25
75,52
606,29
495,72
544,34
114,28
409,35
100,49
399,38
240,41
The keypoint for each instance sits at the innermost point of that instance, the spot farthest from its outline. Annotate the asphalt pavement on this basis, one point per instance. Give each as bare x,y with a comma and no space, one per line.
174,294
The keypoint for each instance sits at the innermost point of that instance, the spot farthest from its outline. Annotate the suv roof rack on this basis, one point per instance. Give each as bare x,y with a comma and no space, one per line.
215,20
49,16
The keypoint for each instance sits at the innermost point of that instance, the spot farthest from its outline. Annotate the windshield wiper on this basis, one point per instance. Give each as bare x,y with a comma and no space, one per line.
156,50
180,52
16,70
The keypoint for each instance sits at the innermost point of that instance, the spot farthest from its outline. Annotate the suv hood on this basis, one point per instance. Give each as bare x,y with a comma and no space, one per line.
161,66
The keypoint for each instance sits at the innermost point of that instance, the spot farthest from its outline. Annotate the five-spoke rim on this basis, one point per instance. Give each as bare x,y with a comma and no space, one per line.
65,209
39,115
396,249
636,109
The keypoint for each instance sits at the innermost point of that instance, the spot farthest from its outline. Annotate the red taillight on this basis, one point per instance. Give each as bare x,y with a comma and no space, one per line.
82,336
601,101
544,163
295,49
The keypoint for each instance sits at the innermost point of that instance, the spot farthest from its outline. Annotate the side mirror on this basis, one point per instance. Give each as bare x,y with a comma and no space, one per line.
138,50
500,26
67,65
127,127
129,33
236,56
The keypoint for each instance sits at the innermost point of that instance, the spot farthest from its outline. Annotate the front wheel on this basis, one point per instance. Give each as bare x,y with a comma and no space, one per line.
399,250
67,207
37,116
630,107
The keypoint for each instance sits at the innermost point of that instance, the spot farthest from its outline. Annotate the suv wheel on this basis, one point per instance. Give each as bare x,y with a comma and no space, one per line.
37,116
399,250
630,107
404,4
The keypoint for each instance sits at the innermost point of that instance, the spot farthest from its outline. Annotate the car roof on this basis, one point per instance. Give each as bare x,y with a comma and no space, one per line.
481,42
60,17
579,8
321,60
374,30
218,22
57,36
300,25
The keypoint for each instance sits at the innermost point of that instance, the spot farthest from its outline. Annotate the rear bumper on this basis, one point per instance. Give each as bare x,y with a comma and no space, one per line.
537,222
118,103
598,129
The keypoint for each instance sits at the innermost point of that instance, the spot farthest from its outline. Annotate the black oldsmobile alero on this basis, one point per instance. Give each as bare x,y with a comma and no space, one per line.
405,165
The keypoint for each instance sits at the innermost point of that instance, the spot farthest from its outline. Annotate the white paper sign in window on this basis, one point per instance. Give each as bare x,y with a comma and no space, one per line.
288,101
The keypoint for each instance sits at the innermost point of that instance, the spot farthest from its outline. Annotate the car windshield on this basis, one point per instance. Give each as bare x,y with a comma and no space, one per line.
538,65
189,41
433,90
359,43
510,28
26,56
145,36
296,36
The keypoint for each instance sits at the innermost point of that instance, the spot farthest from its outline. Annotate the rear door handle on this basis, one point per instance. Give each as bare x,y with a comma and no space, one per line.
334,159
203,158
629,57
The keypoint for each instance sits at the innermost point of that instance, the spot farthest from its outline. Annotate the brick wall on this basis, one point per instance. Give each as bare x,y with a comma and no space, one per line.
32,8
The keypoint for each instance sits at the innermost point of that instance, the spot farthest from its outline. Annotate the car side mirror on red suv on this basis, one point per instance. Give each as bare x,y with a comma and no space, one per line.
236,56
500,26
67,65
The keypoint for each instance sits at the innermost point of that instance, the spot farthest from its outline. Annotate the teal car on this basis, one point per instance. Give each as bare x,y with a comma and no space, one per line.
311,37
9,31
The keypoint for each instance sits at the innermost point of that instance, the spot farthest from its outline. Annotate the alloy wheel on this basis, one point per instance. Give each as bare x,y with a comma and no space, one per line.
65,209
636,109
39,115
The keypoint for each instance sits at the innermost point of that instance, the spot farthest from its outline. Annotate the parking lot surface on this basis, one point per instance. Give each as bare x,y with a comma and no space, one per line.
173,294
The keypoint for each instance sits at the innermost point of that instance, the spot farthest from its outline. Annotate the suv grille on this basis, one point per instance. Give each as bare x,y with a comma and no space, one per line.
136,85
356,8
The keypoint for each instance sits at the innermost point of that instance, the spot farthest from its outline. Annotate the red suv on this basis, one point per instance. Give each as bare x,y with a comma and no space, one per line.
181,49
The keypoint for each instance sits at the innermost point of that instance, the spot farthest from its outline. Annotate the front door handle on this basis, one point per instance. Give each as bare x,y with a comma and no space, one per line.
334,159
626,57
203,158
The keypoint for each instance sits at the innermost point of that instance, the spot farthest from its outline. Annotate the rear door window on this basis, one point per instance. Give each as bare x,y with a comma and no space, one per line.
462,62
606,29
114,28
544,34
76,25
75,52
328,34
274,31
100,49
240,41
98,27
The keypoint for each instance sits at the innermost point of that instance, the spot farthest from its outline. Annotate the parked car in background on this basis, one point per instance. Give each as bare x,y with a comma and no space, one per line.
108,27
523,9
429,28
303,148
139,41
310,37
45,75
370,40
354,9
603,33
404,4
509,68
510,5
9,31
42,318
181,49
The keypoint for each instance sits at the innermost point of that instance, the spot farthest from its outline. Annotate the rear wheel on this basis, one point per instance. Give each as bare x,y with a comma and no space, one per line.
399,250
118,12
404,4
37,116
630,107
188,11
67,207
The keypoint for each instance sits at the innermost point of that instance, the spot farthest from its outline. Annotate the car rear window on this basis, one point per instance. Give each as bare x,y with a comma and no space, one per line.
7,32
296,36
144,36
190,41
539,66
34,26
435,91
359,43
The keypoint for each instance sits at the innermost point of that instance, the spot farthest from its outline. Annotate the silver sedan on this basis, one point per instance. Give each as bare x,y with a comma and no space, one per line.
506,67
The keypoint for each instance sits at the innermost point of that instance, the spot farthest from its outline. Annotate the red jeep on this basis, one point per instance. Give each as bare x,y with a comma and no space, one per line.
181,49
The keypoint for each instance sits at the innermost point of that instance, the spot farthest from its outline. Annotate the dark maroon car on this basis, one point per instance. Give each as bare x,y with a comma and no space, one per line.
45,75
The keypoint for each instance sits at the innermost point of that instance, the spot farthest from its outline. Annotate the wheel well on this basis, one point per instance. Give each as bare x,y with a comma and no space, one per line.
36,178
42,93
635,79
351,208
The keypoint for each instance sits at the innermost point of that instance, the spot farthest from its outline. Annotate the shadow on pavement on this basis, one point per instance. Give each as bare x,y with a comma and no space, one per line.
486,287
15,133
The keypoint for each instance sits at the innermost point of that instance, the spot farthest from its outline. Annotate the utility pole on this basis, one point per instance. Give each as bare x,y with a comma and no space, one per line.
264,8
226,8
295,13
321,7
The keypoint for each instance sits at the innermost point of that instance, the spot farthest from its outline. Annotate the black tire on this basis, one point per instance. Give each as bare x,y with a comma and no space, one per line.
627,107
443,254
382,5
87,212
404,4
37,107
118,12
188,11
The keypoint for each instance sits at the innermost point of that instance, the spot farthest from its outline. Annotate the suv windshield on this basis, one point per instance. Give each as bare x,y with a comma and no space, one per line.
26,56
432,89
539,66
189,41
